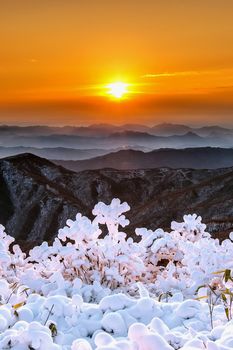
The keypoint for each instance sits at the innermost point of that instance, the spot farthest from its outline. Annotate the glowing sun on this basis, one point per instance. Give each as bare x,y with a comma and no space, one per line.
117,89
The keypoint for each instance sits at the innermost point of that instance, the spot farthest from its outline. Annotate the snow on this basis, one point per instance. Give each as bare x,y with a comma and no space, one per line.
85,292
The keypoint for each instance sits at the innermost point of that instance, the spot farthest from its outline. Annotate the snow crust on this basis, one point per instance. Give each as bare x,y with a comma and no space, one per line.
85,292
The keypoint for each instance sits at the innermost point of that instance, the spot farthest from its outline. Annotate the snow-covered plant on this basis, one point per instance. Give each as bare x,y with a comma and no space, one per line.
142,288
192,229
5,242
82,258
112,261
111,215
218,290
25,336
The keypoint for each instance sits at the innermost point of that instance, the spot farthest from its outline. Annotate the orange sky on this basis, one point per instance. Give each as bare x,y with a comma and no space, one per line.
57,56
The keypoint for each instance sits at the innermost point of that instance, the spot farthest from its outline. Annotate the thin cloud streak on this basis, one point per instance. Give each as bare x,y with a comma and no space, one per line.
172,74
185,73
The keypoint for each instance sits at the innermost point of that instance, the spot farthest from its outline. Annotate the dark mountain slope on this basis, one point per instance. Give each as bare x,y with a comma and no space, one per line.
54,153
37,197
198,158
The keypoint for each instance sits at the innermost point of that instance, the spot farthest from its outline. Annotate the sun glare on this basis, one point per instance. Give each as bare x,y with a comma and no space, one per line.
118,89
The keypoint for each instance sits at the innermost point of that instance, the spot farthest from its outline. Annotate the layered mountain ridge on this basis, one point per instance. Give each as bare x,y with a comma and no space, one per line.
197,158
107,137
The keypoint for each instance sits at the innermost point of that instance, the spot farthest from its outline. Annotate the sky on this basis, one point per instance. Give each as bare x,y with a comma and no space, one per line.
57,59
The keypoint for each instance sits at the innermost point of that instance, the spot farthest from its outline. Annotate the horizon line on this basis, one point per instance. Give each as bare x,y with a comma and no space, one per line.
194,126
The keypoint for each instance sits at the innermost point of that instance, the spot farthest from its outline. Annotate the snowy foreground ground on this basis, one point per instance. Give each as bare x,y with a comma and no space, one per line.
170,290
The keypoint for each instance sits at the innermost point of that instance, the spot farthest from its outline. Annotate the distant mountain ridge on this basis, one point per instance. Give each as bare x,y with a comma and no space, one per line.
37,196
53,152
115,139
163,129
197,158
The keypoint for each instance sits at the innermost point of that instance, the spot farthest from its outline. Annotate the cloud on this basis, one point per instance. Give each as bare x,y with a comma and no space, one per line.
171,74
222,71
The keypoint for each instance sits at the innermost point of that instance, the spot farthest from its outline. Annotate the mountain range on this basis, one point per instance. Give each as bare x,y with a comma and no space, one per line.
37,196
197,158
123,139
164,129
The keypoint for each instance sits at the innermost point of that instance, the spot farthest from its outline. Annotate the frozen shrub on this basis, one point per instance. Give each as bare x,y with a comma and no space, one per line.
48,299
